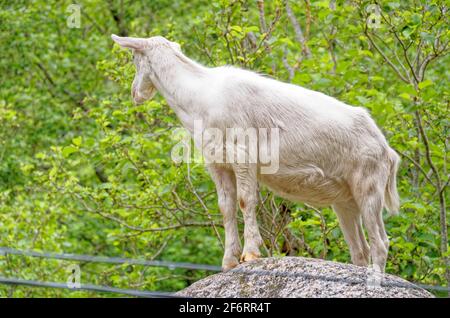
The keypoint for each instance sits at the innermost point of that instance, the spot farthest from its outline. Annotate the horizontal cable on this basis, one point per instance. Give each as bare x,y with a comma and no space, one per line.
87,287
111,260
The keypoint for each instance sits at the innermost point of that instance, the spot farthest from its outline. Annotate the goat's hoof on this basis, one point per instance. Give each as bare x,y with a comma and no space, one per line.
229,264
249,256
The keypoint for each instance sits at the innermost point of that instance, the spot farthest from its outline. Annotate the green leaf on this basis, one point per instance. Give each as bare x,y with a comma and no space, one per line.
77,141
405,96
365,53
415,19
394,5
67,151
236,28
424,84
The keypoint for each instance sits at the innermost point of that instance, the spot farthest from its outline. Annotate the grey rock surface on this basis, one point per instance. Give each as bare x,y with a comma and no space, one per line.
302,277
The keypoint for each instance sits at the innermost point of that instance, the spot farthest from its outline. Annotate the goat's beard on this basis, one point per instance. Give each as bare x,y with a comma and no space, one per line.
147,95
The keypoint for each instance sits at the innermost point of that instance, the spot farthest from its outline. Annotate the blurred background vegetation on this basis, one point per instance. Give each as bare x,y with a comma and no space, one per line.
83,170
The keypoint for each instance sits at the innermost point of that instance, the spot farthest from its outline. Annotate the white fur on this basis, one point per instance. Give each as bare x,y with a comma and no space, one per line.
330,153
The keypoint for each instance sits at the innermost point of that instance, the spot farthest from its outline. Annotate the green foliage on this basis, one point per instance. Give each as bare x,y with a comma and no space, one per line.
83,170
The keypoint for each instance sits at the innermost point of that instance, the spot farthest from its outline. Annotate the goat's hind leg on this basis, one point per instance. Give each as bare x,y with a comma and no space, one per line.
349,218
368,192
382,231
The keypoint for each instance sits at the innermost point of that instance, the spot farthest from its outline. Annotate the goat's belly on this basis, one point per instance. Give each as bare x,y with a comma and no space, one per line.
313,190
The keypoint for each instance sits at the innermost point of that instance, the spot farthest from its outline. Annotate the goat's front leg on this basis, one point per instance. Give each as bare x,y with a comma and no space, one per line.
226,192
247,194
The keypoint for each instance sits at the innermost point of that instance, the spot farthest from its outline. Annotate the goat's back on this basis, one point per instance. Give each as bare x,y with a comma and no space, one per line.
311,122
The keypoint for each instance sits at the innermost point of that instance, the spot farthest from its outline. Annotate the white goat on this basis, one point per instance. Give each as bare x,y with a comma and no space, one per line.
329,153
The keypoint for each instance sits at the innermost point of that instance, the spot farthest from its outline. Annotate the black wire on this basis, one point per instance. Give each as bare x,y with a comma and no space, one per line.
87,287
111,260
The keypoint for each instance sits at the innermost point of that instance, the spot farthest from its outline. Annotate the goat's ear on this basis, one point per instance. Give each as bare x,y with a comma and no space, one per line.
131,43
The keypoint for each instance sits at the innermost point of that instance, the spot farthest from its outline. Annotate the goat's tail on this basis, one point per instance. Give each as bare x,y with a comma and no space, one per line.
391,198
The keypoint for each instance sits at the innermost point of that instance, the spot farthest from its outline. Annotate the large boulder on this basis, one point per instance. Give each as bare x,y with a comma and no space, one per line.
302,277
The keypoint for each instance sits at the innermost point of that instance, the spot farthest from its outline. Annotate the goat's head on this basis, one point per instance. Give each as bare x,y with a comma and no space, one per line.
143,88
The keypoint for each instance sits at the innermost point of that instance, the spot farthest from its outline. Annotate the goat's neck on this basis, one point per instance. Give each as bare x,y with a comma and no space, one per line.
181,82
